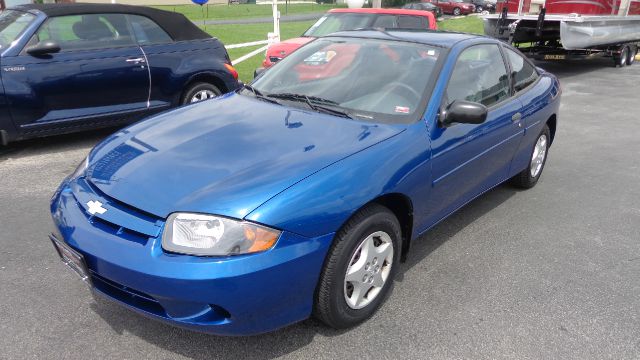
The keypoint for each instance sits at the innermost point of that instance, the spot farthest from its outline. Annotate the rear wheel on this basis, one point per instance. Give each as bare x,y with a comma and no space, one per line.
456,12
528,177
633,51
479,8
622,58
199,92
359,269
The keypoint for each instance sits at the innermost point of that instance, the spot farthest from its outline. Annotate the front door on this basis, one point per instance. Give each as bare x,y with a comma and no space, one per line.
100,74
468,159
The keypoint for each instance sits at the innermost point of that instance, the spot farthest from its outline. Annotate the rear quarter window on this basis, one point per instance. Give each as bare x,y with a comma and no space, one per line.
147,32
522,72
412,22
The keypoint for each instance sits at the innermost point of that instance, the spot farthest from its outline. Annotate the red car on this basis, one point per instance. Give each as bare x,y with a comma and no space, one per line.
453,7
350,19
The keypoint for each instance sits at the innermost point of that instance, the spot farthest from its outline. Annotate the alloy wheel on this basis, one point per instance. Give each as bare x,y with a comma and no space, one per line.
202,95
539,155
368,270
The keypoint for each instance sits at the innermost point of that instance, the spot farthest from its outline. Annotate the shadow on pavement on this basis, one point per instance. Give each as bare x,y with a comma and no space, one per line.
569,68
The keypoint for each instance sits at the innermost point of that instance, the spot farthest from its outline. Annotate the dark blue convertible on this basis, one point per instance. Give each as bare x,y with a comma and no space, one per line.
78,66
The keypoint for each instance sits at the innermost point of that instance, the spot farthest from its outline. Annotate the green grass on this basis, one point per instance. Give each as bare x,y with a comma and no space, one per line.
243,11
468,24
234,34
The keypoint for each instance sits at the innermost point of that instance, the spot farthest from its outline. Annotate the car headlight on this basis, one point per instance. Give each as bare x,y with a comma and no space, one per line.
80,169
210,235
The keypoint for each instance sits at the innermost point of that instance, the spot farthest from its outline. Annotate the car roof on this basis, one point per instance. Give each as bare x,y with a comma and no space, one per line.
381,11
175,24
446,39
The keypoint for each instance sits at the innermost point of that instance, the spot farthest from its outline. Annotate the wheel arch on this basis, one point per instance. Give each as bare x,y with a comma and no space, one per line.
205,77
402,207
552,123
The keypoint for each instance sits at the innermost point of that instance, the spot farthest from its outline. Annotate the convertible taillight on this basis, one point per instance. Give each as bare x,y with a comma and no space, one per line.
232,70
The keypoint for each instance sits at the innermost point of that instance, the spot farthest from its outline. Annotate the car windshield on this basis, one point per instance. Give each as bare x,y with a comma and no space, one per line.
334,22
365,79
12,24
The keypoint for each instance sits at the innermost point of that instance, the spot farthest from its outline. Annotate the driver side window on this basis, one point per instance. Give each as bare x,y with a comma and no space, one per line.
480,75
85,32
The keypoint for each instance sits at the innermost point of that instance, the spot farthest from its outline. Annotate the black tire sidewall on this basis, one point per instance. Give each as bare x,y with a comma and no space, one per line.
340,314
193,89
631,57
624,54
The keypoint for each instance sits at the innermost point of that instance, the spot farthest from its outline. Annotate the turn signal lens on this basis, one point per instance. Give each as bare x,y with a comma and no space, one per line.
261,238
232,70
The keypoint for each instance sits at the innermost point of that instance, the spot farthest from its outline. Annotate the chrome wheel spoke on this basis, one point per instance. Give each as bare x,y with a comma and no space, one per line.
202,95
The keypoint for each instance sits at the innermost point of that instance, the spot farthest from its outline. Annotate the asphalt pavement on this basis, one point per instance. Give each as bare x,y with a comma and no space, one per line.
548,273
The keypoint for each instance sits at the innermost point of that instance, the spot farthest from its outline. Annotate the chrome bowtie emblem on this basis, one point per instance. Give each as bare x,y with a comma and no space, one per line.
95,207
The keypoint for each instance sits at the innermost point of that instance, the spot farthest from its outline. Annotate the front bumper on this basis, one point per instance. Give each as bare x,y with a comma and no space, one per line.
240,295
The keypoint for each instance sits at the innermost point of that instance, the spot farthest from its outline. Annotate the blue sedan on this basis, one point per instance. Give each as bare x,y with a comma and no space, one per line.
300,194
70,67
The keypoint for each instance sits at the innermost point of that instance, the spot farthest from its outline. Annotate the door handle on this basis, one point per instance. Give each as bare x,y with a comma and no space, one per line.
516,117
136,60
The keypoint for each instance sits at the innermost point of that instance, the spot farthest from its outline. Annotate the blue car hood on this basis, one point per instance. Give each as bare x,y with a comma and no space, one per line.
225,156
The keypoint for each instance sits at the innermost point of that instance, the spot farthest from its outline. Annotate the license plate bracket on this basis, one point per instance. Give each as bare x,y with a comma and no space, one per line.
74,260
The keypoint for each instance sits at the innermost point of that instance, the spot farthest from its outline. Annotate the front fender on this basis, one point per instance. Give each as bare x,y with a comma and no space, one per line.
324,201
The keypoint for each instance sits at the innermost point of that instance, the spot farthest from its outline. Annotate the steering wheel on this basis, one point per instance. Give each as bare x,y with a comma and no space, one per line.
406,89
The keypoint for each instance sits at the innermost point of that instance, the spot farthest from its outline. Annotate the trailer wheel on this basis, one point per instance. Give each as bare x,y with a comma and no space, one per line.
632,55
622,58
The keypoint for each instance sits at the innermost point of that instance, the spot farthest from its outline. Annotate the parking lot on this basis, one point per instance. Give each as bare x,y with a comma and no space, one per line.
552,272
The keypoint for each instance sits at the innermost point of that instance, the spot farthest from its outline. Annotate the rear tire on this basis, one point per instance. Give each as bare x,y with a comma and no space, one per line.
621,59
199,92
529,177
363,260
479,9
633,51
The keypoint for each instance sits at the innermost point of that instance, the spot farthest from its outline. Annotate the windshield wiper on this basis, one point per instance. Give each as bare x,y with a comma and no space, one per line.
258,94
315,103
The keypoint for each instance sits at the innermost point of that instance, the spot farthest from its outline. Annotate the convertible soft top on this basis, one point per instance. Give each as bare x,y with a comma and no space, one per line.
175,24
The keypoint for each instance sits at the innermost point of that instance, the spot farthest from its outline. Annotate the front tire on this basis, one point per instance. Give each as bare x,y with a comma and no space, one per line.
199,92
479,9
359,269
529,177
456,12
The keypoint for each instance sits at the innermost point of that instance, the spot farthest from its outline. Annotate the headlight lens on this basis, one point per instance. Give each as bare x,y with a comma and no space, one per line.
209,235
81,168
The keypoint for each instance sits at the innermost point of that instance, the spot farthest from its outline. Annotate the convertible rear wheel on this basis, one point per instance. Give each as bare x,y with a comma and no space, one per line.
199,92
528,177
359,269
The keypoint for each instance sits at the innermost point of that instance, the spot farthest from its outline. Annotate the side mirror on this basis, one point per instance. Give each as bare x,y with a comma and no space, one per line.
43,48
464,112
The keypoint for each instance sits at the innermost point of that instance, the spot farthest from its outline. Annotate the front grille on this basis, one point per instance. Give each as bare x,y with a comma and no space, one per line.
120,219
127,295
